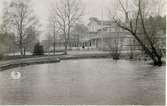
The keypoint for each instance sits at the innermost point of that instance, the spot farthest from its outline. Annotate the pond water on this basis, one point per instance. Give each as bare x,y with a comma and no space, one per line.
88,81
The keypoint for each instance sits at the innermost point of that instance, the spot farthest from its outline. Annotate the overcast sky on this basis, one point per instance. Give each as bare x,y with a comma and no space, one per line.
41,7
92,8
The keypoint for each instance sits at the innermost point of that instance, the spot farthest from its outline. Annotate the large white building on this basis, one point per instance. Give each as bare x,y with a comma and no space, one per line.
106,35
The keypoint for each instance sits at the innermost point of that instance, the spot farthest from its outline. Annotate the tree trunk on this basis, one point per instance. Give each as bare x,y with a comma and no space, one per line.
24,51
158,62
54,43
155,58
54,49
21,47
21,51
65,51
65,45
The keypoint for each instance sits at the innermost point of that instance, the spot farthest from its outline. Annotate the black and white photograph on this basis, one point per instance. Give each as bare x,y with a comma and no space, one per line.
83,52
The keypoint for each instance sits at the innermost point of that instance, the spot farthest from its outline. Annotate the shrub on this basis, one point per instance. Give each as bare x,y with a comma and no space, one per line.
116,56
38,50
1,56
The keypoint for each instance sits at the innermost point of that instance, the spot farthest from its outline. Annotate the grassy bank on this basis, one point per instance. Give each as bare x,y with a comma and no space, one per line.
17,61
13,62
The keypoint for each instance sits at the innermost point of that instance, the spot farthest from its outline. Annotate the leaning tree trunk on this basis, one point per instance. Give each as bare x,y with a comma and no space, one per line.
154,54
158,61
151,53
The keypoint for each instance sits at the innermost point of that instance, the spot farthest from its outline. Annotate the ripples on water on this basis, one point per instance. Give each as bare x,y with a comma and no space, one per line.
89,81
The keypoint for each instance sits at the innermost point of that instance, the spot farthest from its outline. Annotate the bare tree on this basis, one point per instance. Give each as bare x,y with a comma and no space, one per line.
7,40
53,28
19,16
78,33
30,39
68,12
114,44
136,13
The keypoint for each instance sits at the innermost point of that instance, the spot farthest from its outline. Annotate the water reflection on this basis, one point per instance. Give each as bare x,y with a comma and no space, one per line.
100,81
